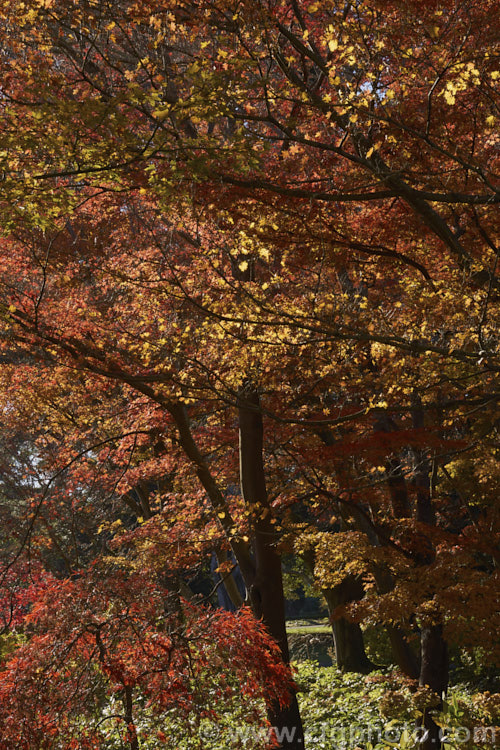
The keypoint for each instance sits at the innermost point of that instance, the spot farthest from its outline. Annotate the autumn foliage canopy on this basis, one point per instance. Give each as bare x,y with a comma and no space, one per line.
249,305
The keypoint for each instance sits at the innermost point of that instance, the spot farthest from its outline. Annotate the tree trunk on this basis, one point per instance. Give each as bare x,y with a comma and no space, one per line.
265,586
396,482
348,641
350,653
434,674
433,648
133,740
402,651
266,590
228,580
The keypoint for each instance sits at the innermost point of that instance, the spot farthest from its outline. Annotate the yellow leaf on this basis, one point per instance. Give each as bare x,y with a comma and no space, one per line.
332,45
160,114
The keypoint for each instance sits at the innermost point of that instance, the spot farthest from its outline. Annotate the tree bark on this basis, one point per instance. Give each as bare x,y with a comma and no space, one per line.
434,668
261,572
396,482
401,508
350,653
401,650
434,674
421,469
348,640
228,581
133,740
266,591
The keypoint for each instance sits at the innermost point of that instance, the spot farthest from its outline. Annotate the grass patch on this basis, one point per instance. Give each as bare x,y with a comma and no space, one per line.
307,629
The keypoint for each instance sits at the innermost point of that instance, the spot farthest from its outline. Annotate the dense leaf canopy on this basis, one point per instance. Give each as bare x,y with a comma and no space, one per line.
283,207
